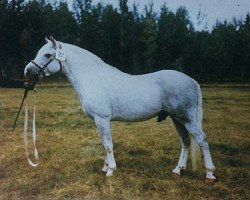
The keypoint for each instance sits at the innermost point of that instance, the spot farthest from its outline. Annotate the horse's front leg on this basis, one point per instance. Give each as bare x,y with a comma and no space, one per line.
103,124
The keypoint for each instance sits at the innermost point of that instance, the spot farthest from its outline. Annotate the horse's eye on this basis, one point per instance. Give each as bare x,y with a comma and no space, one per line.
47,55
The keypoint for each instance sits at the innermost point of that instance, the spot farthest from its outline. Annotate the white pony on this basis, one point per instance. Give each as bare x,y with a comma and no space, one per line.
107,94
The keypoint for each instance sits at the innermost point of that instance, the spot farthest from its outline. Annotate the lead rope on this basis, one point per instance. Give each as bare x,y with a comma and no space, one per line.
25,134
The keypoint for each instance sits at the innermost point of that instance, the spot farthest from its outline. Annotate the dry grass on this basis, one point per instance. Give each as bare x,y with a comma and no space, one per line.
71,156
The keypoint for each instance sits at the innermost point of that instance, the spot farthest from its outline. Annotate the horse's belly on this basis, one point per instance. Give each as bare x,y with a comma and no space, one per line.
136,111
135,117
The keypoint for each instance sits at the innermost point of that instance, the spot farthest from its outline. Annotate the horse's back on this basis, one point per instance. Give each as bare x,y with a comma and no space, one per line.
173,83
144,96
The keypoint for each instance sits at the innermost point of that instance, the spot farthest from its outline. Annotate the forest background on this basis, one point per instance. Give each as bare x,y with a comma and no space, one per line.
134,42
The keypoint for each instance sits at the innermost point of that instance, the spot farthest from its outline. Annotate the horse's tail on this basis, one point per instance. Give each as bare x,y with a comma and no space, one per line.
195,149
199,115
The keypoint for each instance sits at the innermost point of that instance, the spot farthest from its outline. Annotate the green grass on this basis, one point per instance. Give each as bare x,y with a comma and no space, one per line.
71,156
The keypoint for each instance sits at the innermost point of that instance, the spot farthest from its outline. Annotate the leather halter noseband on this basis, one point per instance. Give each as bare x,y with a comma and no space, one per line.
41,68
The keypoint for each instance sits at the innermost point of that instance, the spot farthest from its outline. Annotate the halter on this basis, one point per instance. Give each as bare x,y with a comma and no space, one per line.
41,69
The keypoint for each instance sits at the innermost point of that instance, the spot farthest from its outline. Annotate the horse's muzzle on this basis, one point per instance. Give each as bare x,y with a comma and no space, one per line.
28,73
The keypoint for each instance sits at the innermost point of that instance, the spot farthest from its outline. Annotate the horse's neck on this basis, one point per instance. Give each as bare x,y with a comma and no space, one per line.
82,63
81,66
78,61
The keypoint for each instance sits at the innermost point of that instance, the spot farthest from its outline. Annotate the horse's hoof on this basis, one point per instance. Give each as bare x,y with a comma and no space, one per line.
176,174
105,168
176,171
208,180
109,172
210,177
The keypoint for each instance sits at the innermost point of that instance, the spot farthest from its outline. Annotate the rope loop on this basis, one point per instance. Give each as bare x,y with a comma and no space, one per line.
25,134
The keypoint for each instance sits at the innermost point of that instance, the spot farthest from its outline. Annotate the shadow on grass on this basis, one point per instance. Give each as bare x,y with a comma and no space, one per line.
232,155
230,149
141,162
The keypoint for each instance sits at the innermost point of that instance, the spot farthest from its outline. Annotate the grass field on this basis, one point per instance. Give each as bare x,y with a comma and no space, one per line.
71,156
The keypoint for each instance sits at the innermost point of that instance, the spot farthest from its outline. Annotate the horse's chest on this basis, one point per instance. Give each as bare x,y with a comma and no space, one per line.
96,104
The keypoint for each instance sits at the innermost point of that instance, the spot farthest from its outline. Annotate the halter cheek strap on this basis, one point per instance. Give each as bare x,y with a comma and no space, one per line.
41,69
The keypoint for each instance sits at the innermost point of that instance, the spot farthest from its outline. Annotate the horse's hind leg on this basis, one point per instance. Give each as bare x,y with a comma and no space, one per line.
103,124
201,139
185,143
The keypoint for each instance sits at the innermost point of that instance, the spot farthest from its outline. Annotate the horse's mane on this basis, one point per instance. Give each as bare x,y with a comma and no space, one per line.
82,52
88,57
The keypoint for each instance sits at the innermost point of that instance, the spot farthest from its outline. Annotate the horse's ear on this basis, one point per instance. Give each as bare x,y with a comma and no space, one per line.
53,41
46,39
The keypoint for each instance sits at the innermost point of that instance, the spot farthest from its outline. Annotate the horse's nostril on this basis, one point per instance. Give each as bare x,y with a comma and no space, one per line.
28,72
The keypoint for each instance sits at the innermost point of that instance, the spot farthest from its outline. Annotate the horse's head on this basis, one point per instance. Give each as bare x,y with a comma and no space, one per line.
48,61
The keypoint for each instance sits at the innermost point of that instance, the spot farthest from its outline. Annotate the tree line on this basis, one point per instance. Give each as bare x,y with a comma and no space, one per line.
132,41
